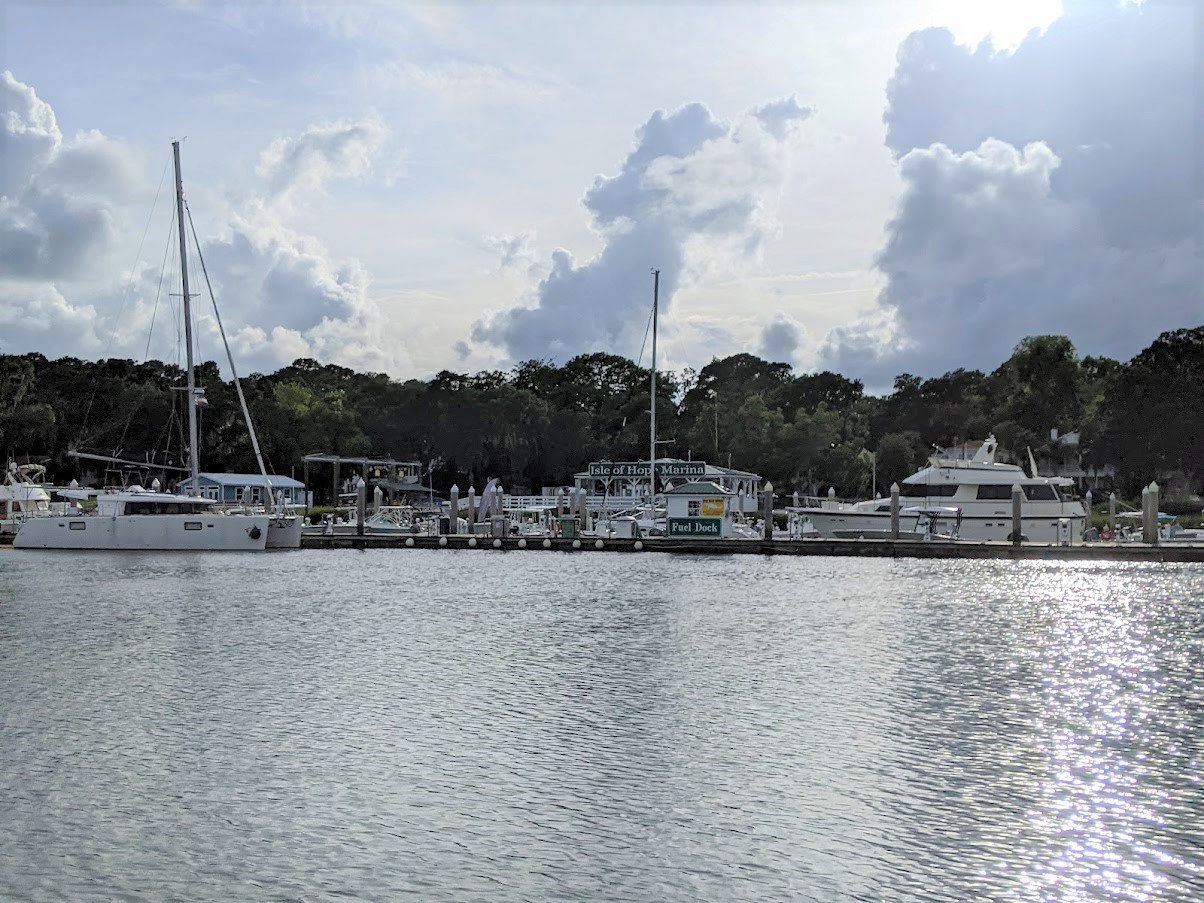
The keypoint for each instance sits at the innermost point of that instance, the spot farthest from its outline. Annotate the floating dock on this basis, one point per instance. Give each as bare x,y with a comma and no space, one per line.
856,548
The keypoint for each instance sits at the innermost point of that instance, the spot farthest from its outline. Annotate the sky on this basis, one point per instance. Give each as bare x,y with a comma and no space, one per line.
871,187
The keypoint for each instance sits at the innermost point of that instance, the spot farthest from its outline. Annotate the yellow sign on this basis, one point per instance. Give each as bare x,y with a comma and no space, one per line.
714,507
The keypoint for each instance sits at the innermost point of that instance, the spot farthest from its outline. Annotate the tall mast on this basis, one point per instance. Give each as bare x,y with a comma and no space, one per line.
193,463
656,287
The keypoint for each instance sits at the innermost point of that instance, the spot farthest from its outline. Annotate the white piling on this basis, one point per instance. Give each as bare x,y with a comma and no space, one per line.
454,504
361,504
767,511
1017,515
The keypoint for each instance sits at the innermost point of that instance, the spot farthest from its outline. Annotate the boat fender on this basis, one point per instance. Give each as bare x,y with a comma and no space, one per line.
1106,534
254,533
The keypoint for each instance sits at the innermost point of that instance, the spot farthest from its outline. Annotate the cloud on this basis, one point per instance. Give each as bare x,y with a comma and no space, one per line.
781,338
59,200
67,203
1056,188
780,116
301,165
693,194
514,252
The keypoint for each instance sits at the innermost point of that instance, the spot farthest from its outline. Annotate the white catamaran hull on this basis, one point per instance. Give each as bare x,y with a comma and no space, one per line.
138,533
285,532
980,527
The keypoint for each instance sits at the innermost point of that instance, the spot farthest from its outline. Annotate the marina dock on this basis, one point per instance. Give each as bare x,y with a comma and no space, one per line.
857,548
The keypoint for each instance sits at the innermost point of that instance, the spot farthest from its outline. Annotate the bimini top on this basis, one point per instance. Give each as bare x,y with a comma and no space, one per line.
699,487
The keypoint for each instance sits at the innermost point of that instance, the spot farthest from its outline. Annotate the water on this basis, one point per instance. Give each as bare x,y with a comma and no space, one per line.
517,726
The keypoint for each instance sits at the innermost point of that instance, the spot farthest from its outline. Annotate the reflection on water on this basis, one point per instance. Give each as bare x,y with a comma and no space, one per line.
530,726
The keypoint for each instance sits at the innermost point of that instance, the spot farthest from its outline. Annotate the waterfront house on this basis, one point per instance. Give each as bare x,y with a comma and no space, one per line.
228,488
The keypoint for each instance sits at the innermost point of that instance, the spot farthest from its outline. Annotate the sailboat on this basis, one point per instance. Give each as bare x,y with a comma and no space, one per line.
138,519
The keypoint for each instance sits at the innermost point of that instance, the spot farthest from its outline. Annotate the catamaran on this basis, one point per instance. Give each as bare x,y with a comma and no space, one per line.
137,519
976,496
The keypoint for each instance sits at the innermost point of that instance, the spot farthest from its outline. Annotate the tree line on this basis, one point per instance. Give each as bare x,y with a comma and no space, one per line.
539,423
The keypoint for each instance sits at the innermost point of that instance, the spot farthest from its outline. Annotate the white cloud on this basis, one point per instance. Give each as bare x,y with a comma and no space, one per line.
294,167
1053,189
691,197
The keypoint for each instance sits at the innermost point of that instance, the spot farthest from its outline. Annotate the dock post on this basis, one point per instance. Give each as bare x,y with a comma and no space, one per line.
560,502
454,501
894,510
472,510
1017,518
361,504
1145,514
1088,502
378,498
1112,512
767,513
334,497
1154,493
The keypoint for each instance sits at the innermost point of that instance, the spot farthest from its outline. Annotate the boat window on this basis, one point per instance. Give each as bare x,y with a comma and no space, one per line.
1040,492
78,525
995,491
885,507
192,525
928,490
163,508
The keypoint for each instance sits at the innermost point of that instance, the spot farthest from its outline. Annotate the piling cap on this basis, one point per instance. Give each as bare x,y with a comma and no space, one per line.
894,488
455,487
768,486
1016,490
359,481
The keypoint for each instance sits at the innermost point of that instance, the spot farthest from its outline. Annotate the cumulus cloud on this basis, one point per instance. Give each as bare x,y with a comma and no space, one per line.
302,164
693,192
65,204
781,338
1056,188
59,199
514,252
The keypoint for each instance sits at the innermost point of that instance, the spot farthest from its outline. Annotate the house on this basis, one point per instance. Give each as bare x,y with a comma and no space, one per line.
699,510
228,488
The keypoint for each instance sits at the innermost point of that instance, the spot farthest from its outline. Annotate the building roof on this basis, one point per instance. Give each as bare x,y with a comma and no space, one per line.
247,479
698,487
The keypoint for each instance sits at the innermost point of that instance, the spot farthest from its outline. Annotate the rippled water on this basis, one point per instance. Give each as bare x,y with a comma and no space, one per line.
508,726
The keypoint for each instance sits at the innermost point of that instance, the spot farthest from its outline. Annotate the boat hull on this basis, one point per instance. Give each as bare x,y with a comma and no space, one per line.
994,527
146,533
285,532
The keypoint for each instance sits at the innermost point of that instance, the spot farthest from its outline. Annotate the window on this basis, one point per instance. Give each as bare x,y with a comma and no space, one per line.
928,490
995,491
693,508
192,525
1040,492
78,525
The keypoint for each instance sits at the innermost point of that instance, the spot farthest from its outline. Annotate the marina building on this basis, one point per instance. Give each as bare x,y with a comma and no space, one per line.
229,488
626,482
698,510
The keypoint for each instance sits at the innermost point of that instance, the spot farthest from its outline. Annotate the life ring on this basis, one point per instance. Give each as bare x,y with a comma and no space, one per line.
254,533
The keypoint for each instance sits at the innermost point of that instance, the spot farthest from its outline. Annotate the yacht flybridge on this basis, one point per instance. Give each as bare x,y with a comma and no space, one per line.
976,493
138,519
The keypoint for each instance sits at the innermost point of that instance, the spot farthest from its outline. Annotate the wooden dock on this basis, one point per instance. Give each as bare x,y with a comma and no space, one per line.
857,548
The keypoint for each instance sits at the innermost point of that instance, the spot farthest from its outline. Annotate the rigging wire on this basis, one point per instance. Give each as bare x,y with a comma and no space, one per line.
162,271
647,329
126,295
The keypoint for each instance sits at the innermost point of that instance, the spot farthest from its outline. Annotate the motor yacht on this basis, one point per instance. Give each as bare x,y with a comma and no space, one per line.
978,488
21,496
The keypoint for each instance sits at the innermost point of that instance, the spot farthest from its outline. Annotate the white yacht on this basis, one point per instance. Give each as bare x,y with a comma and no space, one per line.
21,496
979,490
140,519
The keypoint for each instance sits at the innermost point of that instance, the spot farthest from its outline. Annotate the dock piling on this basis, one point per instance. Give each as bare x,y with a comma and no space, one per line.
454,502
1112,512
1017,518
361,505
768,511
894,510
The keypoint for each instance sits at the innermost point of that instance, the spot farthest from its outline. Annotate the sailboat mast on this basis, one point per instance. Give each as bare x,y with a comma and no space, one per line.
656,287
193,462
